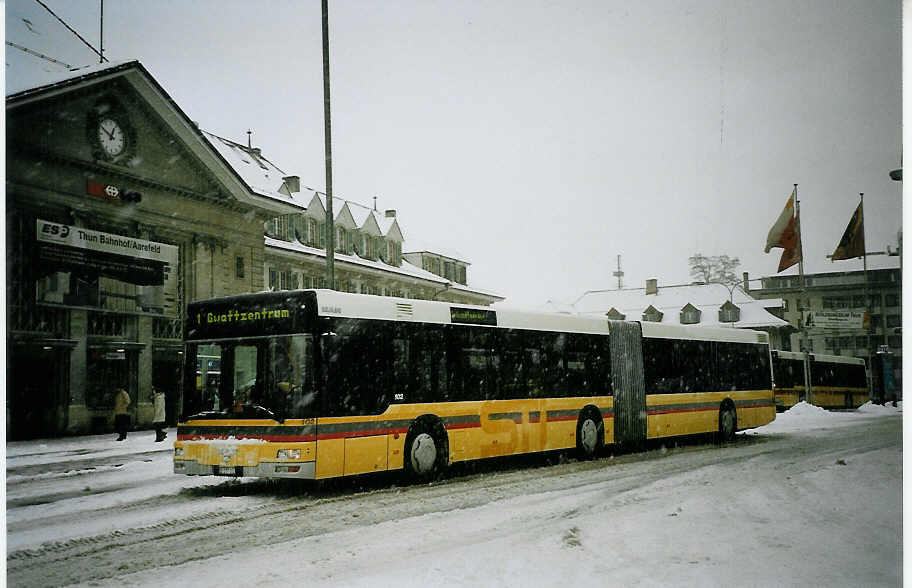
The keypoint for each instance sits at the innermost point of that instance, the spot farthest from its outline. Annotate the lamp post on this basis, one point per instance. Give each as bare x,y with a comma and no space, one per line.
327,131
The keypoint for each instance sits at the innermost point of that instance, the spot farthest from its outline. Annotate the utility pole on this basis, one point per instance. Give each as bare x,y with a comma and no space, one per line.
327,133
619,274
101,36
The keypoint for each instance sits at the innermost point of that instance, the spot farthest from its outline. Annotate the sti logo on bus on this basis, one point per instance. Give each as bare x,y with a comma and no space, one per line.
471,316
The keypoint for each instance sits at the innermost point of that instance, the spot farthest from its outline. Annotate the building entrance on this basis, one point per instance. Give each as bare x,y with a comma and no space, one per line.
36,397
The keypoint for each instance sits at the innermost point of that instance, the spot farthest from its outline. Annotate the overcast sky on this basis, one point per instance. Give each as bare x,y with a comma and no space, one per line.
542,139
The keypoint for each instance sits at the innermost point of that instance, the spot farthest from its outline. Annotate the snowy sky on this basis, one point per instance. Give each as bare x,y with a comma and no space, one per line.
542,139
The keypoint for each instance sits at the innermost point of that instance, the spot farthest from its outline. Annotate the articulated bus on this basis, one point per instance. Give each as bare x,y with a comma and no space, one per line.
836,381
318,384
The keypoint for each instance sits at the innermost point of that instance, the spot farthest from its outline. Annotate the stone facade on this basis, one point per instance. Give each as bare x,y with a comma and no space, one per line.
77,332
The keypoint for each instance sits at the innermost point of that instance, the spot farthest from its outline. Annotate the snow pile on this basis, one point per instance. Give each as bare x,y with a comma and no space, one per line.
804,416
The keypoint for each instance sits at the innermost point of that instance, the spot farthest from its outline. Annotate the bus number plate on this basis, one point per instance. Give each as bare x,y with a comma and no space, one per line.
226,471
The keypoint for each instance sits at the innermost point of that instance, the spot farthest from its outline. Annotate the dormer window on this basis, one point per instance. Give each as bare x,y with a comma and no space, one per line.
729,313
652,315
394,253
314,233
277,228
301,229
690,314
358,243
615,315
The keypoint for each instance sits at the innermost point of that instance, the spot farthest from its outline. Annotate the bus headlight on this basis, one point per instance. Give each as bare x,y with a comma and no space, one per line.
289,454
178,452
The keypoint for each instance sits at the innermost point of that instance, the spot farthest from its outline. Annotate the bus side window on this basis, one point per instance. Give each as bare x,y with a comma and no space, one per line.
552,367
428,379
400,380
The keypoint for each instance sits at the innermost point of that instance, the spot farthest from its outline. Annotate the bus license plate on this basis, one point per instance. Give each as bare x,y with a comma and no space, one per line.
226,471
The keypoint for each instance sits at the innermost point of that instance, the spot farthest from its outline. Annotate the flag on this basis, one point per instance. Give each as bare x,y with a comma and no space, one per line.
852,244
785,234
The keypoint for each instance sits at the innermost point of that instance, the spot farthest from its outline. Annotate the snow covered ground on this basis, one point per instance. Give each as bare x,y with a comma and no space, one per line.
814,498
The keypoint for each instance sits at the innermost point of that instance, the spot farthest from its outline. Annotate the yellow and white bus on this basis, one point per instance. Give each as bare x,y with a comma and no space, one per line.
319,384
836,381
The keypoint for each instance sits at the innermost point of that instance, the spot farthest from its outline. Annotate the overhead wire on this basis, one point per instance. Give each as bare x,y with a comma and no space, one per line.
89,45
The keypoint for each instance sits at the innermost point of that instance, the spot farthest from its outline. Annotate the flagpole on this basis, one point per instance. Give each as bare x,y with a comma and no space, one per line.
803,332
864,266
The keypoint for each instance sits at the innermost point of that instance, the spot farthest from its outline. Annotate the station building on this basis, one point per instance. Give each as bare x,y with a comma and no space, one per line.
120,211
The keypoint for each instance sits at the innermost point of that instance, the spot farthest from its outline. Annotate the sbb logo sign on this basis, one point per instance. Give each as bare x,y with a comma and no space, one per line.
111,192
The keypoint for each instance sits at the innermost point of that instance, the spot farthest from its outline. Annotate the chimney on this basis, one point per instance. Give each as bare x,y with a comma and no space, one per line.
745,282
652,286
390,214
293,183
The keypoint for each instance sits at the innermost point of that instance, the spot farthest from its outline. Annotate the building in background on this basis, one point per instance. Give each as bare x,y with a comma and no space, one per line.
833,307
711,305
368,244
120,211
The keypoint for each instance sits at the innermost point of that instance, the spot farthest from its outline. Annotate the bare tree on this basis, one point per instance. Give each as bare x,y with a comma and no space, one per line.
700,267
717,269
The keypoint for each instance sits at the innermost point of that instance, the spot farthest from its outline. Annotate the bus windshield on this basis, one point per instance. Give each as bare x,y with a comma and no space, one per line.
253,378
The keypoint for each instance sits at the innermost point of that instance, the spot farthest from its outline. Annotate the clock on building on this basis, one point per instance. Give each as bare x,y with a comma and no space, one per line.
111,137
109,131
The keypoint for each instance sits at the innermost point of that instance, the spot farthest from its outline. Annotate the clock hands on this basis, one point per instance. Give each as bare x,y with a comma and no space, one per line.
110,134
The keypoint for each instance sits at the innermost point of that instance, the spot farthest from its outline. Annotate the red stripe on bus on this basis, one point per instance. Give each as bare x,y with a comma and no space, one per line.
273,438
463,426
711,409
353,434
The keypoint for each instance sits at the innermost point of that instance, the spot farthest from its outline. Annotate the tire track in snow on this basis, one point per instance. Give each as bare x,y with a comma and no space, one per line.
216,533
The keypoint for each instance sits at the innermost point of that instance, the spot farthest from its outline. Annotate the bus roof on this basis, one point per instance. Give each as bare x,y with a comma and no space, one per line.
819,357
227,311
332,303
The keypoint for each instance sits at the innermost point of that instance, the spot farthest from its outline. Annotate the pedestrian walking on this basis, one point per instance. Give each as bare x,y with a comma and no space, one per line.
121,414
158,416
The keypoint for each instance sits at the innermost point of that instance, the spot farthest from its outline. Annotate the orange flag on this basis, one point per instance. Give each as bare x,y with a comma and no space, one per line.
852,244
784,234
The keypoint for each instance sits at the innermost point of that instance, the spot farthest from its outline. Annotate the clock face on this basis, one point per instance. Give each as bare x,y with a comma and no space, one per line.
111,137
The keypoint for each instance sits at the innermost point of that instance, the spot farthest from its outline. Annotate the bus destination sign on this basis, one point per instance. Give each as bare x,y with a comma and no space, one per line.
242,318
472,316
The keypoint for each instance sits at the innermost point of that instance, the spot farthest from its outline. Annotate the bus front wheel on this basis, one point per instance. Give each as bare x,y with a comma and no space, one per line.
426,448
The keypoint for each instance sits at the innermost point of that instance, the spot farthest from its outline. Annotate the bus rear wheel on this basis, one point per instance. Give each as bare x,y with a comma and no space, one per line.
590,434
426,449
728,423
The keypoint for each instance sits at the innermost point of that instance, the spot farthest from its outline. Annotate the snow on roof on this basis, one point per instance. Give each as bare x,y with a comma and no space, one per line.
418,246
671,299
406,269
261,175
360,213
